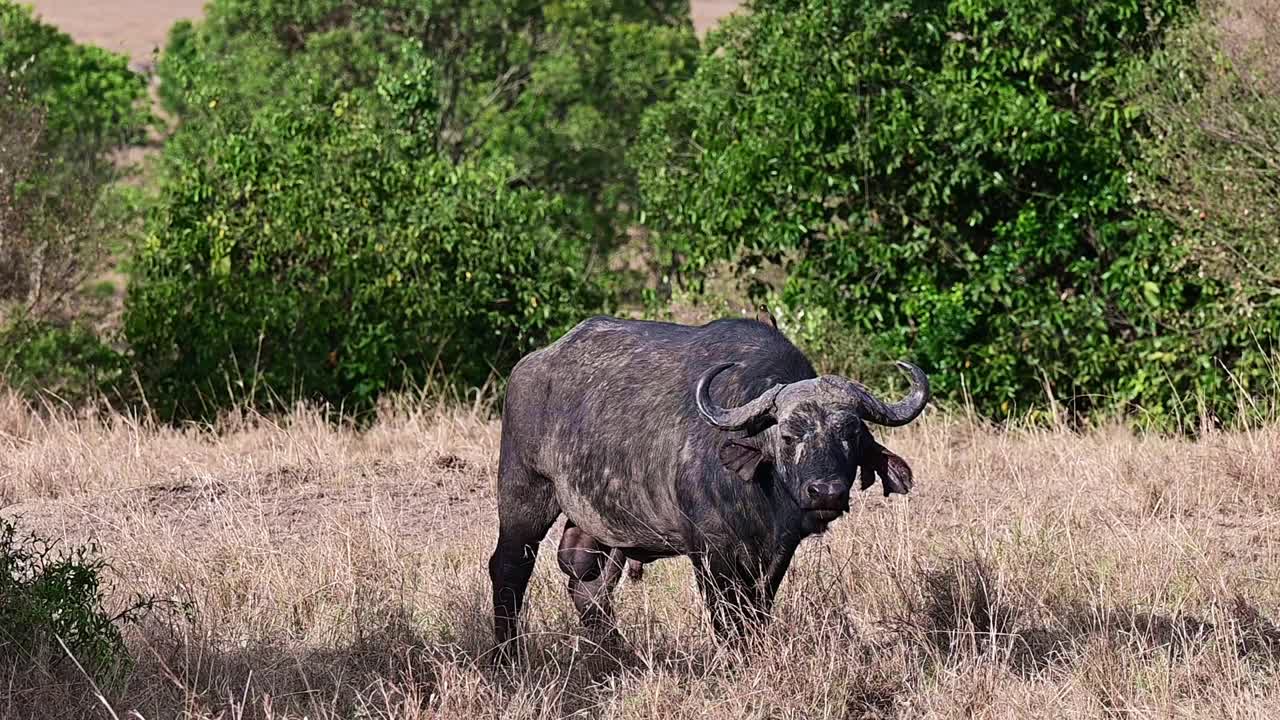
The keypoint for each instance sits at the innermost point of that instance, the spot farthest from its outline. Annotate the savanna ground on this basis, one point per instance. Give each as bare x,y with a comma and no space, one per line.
324,572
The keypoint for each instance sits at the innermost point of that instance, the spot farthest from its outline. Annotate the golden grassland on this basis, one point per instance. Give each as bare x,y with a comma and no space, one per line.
336,573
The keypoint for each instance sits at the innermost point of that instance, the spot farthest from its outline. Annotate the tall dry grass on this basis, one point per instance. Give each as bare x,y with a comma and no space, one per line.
332,573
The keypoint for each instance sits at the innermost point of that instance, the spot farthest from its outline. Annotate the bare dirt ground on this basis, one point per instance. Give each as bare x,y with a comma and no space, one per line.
335,574
706,13
133,27
138,27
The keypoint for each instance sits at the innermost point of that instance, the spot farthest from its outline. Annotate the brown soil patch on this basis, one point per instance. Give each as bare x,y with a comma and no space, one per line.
133,27
138,27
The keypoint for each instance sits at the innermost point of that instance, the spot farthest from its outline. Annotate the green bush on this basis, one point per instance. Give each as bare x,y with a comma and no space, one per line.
91,97
64,108
316,250
47,594
363,193
554,89
948,179
68,362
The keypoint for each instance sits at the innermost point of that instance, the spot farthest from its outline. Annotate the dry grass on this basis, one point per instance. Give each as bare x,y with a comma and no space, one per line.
342,574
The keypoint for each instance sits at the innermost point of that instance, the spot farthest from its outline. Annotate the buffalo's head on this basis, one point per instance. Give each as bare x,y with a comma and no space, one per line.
812,436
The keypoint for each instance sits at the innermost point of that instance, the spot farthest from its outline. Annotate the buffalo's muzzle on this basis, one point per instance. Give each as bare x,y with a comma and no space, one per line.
829,496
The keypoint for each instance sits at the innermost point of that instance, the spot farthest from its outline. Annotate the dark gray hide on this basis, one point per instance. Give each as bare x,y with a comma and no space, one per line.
606,427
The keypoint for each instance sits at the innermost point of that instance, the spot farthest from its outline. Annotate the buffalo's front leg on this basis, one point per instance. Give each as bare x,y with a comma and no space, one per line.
739,599
593,570
728,599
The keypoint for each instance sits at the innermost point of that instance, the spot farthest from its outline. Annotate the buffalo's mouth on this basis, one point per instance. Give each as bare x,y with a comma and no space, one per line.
825,514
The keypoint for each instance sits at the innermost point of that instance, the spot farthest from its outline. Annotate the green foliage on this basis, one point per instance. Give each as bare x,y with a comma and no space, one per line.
363,193
68,362
317,249
555,89
63,108
90,96
180,59
951,179
48,594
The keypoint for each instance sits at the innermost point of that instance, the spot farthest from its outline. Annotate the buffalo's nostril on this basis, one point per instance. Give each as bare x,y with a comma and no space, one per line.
827,493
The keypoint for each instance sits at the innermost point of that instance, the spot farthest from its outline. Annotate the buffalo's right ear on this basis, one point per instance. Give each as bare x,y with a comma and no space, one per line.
742,456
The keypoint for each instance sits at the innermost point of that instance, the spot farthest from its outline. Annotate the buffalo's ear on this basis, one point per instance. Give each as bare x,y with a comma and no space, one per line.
893,471
742,456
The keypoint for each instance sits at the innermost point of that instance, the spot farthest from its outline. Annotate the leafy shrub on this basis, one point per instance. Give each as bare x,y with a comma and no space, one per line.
63,108
311,249
68,362
90,96
555,89
950,178
176,64
49,594
360,193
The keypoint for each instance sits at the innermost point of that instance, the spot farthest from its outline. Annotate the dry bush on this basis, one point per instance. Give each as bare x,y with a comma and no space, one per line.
1212,162
50,234
334,573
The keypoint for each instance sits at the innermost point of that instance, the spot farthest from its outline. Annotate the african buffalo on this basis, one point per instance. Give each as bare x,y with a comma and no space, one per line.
718,442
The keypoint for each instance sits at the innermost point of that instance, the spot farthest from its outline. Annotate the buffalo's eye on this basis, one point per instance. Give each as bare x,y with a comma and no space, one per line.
788,440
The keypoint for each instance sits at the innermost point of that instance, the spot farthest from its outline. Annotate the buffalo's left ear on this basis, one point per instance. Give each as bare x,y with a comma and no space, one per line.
743,457
893,471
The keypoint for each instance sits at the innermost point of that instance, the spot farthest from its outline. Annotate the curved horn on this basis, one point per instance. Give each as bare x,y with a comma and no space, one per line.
732,418
872,409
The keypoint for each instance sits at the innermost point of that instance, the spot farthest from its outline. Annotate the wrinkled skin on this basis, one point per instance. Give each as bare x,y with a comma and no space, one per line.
608,427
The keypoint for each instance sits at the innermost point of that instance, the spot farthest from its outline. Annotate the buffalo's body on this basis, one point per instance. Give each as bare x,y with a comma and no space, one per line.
605,427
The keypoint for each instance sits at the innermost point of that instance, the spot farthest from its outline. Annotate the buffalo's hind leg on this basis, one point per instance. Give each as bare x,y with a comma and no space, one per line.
593,569
527,509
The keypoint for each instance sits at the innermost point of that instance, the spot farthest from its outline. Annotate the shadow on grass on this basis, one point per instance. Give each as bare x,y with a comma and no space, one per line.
963,609
397,666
